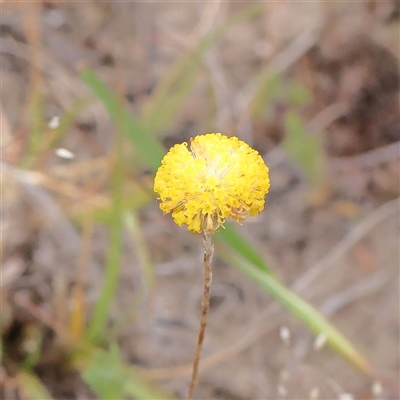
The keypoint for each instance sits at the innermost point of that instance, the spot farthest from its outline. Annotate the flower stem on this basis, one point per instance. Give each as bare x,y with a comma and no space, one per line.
205,305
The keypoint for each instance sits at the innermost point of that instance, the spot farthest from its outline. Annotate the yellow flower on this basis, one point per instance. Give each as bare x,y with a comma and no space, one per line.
212,179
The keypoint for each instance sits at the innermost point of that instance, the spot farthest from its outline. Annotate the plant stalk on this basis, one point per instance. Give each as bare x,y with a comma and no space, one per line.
205,305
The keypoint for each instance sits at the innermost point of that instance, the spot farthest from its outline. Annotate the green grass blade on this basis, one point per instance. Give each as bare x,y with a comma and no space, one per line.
131,222
100,314
303,310
147,147
235,240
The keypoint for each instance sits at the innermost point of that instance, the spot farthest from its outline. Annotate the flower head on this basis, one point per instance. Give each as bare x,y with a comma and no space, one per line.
210,180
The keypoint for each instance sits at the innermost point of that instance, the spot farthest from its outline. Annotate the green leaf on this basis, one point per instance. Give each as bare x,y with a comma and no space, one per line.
147,147
99,319
231,237
297,94
105,374
316,322
110,378
31,386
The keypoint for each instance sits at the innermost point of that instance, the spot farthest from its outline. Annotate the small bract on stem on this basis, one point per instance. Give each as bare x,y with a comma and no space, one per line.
204,184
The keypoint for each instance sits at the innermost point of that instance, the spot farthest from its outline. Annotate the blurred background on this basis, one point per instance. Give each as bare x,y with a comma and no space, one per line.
101,294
